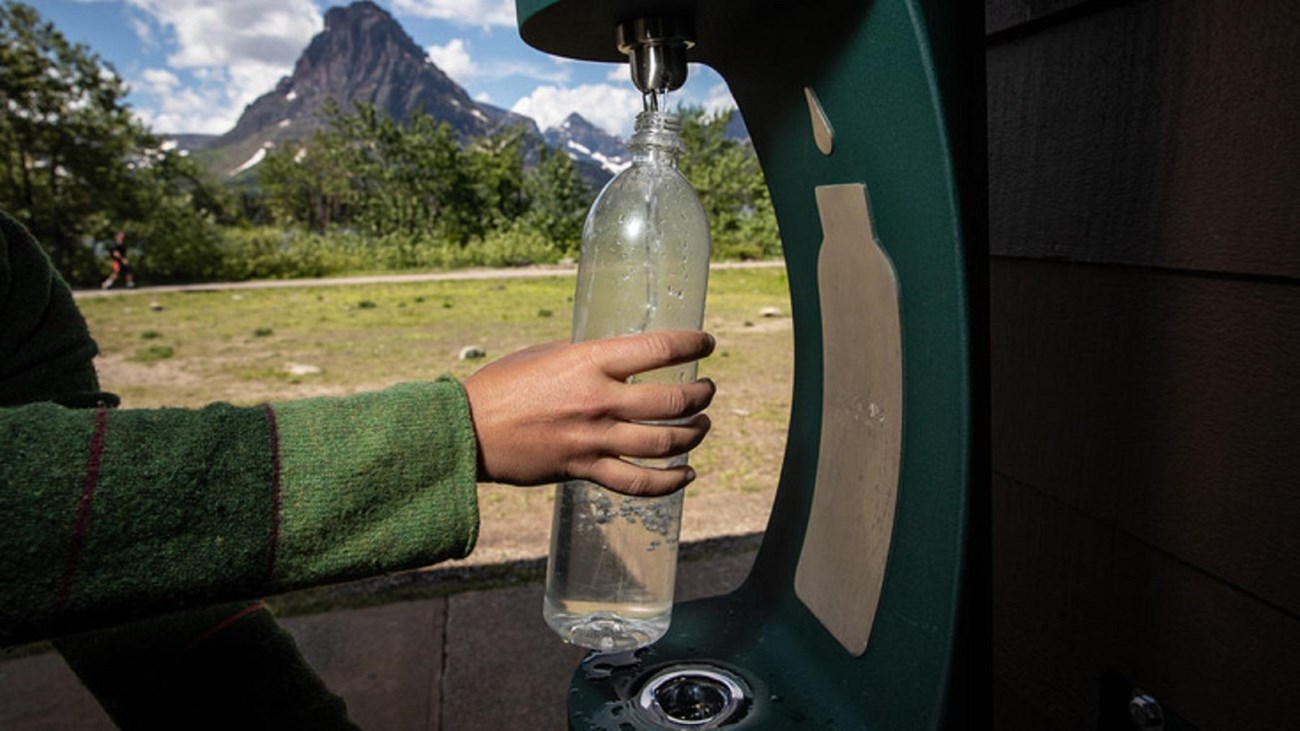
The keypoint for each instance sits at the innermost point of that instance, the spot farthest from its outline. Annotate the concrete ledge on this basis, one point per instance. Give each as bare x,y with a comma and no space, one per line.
428,655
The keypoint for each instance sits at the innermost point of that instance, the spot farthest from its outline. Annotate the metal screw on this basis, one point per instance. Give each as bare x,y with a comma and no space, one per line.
1145,712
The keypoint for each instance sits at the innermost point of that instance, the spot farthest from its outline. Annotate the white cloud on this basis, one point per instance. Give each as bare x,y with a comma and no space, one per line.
527,69
182,109
143,31
178,107
453,58
235,32
619,72
719,99
468,12
159,81
484,97
610,107
236,49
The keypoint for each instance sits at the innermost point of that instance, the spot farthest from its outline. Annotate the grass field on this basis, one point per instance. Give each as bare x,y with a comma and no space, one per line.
254,345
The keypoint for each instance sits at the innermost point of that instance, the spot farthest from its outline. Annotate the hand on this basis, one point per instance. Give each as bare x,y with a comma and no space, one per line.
563,411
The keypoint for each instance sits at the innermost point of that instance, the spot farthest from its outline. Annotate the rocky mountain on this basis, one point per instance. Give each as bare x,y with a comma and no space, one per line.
191,142
363,55
588,144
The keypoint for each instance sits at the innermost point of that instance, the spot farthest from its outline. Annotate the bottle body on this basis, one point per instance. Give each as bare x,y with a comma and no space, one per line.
644,267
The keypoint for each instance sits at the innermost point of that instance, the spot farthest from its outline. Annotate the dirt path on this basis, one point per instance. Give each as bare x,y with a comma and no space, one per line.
550,270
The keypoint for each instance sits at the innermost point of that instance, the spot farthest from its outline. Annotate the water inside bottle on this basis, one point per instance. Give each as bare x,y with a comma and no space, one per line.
644,267
612,566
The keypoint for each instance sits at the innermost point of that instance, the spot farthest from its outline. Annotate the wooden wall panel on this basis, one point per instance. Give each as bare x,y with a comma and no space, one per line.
1144,206
1001,15
1077,598
1163,404
1152,133
1050,608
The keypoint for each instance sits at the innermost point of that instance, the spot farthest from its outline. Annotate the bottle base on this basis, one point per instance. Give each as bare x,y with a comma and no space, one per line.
605,632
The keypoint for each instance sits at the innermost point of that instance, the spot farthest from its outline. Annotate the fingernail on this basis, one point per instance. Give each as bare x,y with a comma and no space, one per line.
690,475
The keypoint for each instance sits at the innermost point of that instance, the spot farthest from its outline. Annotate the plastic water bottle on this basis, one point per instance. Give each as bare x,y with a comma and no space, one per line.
644,266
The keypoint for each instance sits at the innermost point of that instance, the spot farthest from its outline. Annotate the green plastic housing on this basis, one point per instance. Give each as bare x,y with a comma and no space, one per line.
902,86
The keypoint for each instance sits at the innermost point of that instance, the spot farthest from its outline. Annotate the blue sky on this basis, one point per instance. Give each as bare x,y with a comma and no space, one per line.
192,65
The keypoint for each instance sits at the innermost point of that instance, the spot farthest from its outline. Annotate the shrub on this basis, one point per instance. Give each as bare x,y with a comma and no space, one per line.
514,246
270,253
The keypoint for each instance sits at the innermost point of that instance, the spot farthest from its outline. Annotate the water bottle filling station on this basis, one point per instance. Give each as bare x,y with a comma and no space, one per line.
852,615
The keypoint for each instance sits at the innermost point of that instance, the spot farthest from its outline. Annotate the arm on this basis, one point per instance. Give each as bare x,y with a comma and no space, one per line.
116,514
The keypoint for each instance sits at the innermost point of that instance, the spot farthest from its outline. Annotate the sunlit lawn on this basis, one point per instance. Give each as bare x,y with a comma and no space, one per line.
188,349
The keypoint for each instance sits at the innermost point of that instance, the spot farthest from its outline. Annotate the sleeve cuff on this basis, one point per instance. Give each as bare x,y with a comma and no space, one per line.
374,483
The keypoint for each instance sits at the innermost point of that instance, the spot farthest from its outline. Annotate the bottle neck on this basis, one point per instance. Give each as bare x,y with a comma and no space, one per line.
656,139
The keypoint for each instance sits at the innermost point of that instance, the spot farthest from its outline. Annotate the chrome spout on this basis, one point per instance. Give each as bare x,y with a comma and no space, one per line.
656,49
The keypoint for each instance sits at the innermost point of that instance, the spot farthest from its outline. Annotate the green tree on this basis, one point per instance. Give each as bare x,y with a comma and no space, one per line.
309,183
558,200
731,185
497,166
171,231
406,187
74,163
366,171
440,178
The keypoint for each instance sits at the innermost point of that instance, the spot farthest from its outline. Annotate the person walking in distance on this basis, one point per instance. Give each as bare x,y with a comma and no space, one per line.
121,266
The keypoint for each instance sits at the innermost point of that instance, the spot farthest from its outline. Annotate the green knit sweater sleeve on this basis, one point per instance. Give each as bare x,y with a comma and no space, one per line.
118,514
402,463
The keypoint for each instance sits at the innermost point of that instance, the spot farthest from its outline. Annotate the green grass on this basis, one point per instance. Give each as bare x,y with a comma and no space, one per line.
153,353
236,346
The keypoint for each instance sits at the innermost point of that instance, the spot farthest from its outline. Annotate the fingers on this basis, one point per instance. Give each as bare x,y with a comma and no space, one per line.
559,411
626,356
658,402
640,481
656,440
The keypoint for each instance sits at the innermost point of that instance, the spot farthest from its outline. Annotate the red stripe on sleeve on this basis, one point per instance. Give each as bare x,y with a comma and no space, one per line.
89,482
275,491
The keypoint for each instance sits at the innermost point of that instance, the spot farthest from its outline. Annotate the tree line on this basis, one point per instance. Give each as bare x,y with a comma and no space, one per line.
362,192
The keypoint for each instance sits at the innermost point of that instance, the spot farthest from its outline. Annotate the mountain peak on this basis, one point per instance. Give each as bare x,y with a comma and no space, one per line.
585,142
359,9
362,55
367,22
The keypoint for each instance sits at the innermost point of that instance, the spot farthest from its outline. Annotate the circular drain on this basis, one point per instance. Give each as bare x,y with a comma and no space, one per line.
688,697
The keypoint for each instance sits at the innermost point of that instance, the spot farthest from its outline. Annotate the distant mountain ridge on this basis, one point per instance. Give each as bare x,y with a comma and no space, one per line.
584,141
364,55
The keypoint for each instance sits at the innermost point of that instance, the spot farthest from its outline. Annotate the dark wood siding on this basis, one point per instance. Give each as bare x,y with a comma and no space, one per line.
1144,210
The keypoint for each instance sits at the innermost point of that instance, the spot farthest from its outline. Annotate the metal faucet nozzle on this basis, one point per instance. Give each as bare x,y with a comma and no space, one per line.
656,47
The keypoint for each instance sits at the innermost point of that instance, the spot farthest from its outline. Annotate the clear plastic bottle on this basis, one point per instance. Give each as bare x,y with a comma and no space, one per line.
644,267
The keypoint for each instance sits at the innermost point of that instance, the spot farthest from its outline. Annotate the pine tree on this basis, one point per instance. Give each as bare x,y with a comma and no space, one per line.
76,165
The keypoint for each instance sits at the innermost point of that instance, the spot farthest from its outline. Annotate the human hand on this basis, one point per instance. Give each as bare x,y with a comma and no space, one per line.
563,411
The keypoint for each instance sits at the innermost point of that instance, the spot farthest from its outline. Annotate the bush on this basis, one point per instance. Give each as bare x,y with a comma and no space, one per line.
517,245
175,243
275,253
270,253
